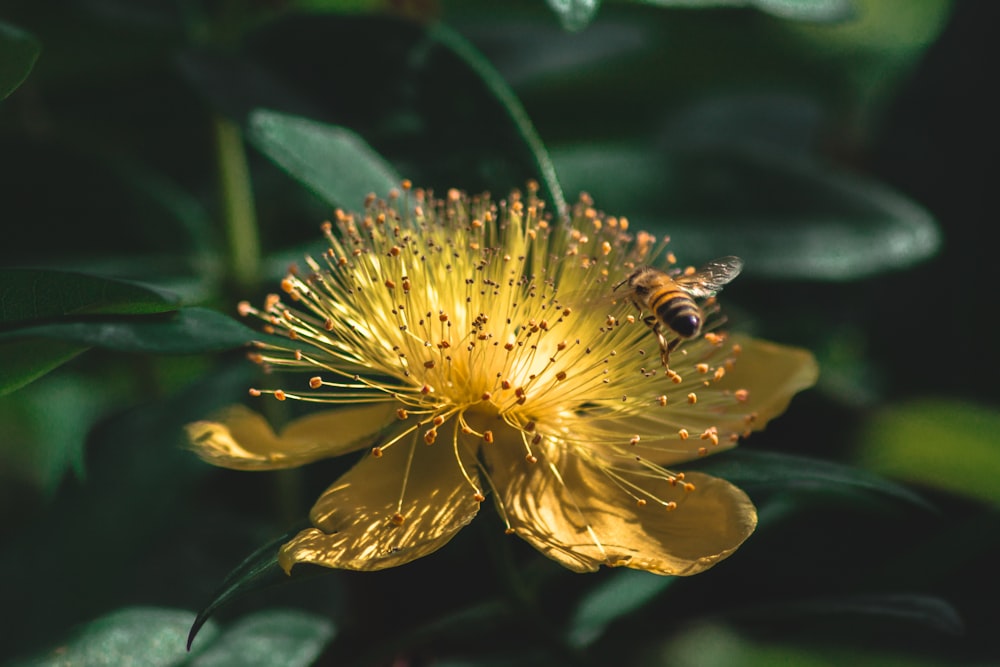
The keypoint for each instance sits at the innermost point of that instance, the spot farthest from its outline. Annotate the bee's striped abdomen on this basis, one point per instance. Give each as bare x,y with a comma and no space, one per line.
675,308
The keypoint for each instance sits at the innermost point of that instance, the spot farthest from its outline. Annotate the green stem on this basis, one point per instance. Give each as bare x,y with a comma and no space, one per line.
239,217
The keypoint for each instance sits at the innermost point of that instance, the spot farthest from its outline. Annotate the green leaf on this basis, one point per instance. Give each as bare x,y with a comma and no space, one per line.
186,331
42,448
18,52
332,161
132,636
24,361
621,593
772,471
788,216
821,11
258,570
272,637
574,14
941,443
36,294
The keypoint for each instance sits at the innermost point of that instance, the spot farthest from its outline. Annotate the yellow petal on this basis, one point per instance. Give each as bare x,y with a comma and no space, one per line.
243,440
570,510
769,373
390,510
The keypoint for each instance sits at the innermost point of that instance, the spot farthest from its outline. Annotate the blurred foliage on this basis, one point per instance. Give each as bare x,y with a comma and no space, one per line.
165,159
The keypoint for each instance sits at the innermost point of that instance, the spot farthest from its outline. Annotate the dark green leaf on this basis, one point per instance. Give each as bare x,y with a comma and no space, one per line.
132,636
24,361
273,637
754,469
575,14
18,52
931,612
47,448
786,215
186,331
332,161
621,593
28,295
258,570
800,10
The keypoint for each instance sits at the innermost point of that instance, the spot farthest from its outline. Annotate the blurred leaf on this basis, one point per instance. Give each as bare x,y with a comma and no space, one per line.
273,637
799,10
18,52
41,448
186,331
711,645
930,612
24,361
508,100
575,14
941,443
332,161
127,533
38,294
789,217
144,636
750,469
258,570
621,593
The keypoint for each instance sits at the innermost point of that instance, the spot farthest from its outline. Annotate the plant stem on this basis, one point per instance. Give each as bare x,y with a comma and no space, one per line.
239,216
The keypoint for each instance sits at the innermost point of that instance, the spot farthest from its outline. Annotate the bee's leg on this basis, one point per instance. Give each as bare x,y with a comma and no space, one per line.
665,346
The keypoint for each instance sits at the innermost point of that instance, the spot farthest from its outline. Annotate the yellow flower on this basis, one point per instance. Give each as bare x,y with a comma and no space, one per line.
475,349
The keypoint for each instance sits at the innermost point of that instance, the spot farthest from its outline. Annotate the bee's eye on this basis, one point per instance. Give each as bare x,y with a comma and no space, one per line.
641,290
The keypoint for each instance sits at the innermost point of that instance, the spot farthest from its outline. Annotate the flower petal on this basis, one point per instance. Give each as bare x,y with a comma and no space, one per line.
770,374
421,486
243,440
573,512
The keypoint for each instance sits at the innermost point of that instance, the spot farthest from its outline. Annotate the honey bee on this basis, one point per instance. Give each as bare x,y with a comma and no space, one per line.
670,300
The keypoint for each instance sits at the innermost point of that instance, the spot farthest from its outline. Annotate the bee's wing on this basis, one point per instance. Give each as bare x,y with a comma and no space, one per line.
710,278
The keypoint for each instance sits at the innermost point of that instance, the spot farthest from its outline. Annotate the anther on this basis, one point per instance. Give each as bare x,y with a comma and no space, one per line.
692,398
488,437
377,452
741,395
720,372
702,368
531,458
315,382
671,506
689,487
486,396
674,376
561,375
402,414
478,497
640,502
279,394
429,364
398,519
662,399
244,308
254,392
426,389
390,284
683,433
634,440
430,436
